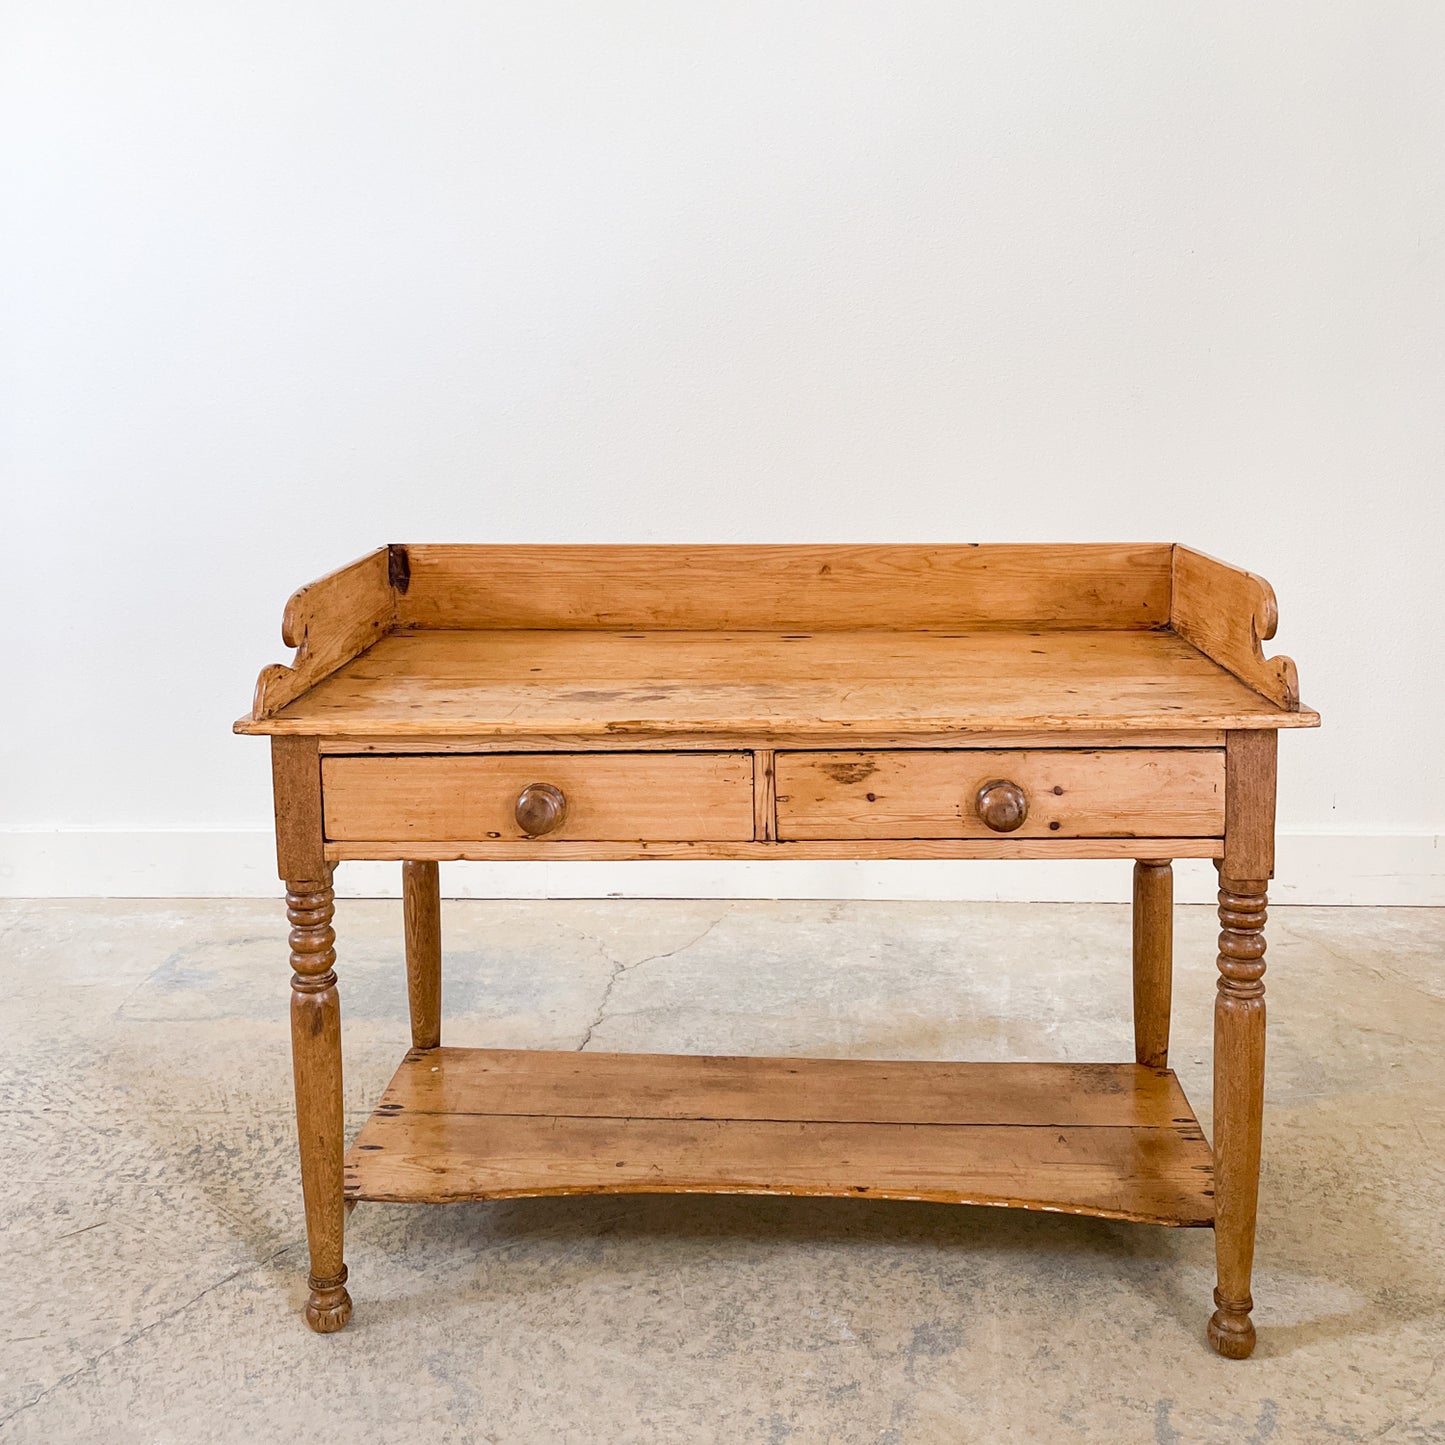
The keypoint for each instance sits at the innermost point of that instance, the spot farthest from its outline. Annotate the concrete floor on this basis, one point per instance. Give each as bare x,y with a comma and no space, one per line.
152,1248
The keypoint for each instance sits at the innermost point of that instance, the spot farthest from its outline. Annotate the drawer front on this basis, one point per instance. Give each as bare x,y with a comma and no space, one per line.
582,797
1141,793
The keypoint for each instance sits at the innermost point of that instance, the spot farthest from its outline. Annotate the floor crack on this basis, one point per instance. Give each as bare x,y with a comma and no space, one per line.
619,968
130,1339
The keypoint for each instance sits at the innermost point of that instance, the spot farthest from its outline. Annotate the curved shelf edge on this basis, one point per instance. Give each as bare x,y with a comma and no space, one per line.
328,622
1201,1217
1115,1141
1229,614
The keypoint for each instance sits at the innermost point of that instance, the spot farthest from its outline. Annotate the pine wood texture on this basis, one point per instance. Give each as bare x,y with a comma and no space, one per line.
329,622
1239,1033
1239,1019
590,683
609,796
1032,702
1113,1140
1153,959
1251,762
796,588
936,794
422,927
320,1123
296,790
765,797
1227,613
780,642
731,742
486,850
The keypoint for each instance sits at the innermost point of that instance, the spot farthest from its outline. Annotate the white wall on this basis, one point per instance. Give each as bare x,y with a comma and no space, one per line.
283,281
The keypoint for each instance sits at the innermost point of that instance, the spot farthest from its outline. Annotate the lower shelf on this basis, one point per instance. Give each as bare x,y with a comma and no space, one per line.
1115,1140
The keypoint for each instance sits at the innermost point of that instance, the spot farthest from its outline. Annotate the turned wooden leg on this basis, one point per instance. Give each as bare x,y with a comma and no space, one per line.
1238,1107
320,1127
422,910
1153,959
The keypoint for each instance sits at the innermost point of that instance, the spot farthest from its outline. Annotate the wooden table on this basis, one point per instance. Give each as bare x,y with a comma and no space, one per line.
1090,701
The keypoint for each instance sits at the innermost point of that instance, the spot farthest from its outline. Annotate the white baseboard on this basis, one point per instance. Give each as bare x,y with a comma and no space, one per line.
1397,869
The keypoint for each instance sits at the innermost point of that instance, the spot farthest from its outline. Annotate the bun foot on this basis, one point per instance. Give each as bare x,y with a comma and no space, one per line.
329,1307
1231,1331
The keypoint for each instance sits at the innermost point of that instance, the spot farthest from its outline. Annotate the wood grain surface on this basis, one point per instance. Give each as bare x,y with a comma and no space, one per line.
728,742
422,931
1111,1140
1098,585
609,796
1153,959
743,1086
932,794
1227,613
491,850
328,622
771,685
783,702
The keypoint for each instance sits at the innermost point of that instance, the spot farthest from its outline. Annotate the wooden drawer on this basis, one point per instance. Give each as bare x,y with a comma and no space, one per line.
922,793
624,797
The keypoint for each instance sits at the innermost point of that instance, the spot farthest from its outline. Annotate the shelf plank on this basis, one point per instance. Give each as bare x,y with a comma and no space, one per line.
844,1091
1114,1140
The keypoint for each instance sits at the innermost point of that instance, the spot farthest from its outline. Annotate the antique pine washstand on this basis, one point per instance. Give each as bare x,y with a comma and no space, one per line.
1078,701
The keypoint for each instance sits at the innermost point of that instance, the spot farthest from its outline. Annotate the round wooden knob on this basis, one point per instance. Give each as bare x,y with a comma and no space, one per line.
540,809
1002,805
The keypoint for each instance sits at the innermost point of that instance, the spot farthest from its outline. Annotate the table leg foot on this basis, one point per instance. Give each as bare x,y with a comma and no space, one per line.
320,1122
1238,1107
329,1307
1231,1331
